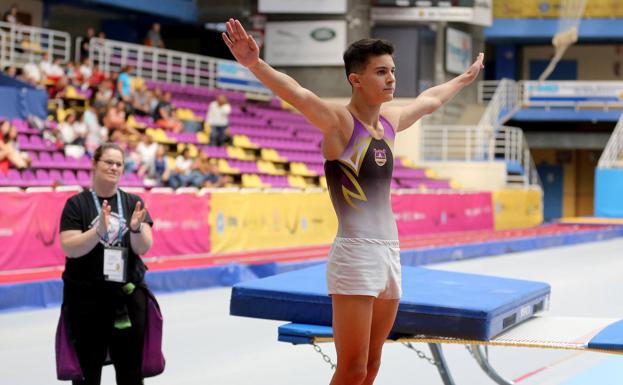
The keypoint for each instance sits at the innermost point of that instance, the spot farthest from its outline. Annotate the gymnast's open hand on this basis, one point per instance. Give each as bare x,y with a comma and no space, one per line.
472,72
242,46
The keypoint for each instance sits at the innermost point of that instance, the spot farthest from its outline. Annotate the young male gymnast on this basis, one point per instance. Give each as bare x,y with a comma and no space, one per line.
363,270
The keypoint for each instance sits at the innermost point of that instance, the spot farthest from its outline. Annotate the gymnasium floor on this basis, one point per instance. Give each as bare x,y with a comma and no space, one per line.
204,345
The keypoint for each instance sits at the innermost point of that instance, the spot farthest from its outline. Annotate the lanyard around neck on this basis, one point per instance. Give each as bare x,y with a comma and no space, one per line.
98,207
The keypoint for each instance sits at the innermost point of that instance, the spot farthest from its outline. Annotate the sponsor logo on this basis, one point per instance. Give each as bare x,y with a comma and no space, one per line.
323,34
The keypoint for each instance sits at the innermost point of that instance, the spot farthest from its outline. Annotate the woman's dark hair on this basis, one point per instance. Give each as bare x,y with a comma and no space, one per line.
357,54
103,148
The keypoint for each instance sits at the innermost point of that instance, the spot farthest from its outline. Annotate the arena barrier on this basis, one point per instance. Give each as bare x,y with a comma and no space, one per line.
517,208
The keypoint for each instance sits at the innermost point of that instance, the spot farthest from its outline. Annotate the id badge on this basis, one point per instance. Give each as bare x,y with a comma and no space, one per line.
115,263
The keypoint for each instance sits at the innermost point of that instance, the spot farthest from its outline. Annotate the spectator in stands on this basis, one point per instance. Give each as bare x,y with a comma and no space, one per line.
104,231
72,129
85,72
164,115
153,38
51,70
96,133
180,176
124,84
103,97
363,268
218,120
133,159
147,149
10,16
154,101
115,121
85,44
32,74
162,171
8,147
97,75
10,71
140,101
205,173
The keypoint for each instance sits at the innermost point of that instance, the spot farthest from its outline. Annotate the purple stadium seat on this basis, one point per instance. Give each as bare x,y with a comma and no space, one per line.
83,176
69,178
43,178
12,178
29,179
56,177
58,160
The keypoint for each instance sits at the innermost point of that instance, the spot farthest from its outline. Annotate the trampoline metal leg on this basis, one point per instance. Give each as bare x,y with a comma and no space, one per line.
441,364
483,361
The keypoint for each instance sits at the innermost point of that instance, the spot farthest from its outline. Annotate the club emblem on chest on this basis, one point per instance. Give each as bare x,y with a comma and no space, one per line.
380,157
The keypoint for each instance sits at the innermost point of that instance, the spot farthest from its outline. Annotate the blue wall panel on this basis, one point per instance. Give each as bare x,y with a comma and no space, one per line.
609,192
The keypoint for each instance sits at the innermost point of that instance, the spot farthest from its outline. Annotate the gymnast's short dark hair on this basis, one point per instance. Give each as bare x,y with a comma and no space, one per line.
357,54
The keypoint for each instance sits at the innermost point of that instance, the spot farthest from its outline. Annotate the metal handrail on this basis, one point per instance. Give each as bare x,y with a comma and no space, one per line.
26,44
444,143
155,63
612,156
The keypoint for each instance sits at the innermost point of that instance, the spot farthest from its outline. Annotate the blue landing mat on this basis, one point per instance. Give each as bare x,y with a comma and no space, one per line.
434,302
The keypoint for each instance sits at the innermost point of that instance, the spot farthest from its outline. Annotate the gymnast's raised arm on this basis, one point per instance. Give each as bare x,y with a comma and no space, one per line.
320,113
433,98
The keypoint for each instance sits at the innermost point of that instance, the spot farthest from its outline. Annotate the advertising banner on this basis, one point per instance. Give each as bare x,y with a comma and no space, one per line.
29,229
458,51
436,213
517,209
260,220
305,43
302,6
572,92
181,224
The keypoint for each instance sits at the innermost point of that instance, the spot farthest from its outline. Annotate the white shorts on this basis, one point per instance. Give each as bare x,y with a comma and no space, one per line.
362,266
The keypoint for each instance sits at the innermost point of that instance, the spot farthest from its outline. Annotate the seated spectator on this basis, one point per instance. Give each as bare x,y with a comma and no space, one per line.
140,101
10,71
218,120
115,121
147,149
32,74
154,100
96,134
153,38
72,130
52,71
124,84
85,71
164,115
205,173
162,171
8,147
103,97
97,75
180,176
133,159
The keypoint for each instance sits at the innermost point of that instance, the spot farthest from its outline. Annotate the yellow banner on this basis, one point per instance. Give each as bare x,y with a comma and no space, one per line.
516,209
260,220
508,9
